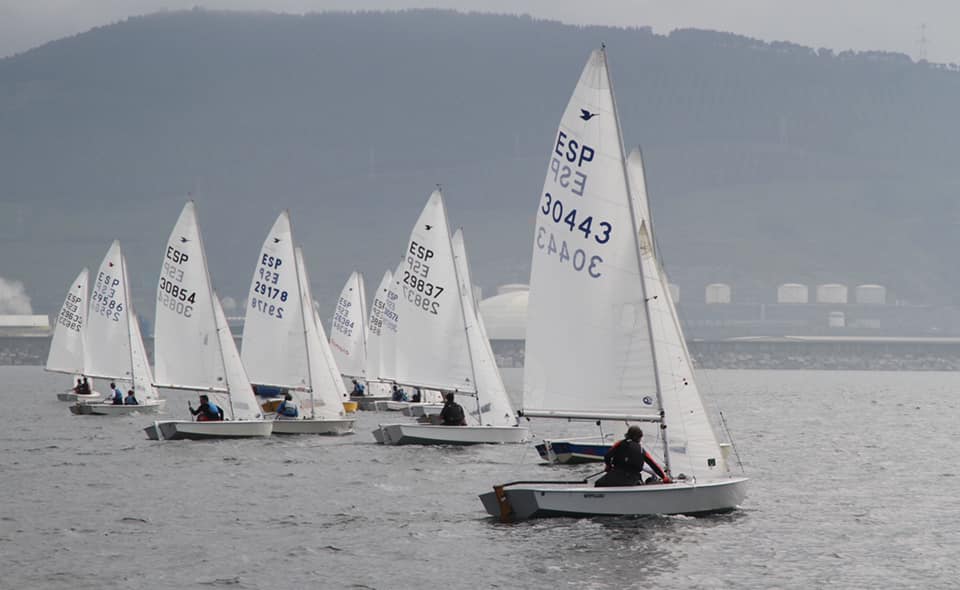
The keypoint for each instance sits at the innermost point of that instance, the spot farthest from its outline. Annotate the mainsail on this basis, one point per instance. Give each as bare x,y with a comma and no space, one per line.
586,305
67,346
348,328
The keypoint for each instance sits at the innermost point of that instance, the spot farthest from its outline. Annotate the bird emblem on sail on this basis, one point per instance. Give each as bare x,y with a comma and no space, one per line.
428,226
183,240
586,115
276,240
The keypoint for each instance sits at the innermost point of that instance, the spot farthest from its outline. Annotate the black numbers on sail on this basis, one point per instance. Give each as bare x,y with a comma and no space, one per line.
270,309
553,209
267,290
576,257
425,287
421,302
177,292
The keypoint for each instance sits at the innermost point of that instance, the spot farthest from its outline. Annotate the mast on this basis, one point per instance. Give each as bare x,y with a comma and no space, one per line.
131,317
643,284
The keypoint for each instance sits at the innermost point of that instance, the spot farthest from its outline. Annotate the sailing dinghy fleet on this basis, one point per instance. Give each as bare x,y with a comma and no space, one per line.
603,341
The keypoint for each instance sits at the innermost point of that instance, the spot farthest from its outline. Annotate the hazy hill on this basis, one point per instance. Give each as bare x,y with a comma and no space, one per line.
767,162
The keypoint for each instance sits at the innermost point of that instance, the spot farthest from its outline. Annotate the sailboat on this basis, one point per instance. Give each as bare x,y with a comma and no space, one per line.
116,350
381,332
590,449
283,343
601,326
193,347
69,335
348,332
439,344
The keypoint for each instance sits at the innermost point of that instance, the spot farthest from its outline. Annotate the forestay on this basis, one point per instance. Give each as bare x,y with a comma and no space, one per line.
108,324
326,387
187,352
66,347
273,343
492,399
348,328
431,343
588,346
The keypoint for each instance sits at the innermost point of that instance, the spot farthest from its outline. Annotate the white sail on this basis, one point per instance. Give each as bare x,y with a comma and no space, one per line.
66,347
586,305
142,374
108,326
187,352
492,403
638,187
273,347
242,403
376,327
431,344
325,397
348,328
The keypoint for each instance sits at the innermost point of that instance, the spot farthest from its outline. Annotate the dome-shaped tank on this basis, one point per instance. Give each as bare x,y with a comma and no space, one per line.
505,314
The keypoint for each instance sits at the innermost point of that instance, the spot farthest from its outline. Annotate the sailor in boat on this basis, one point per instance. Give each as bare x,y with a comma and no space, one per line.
358,388
452,413
417,395
78,389
625,461
287,408
207,412
116,396
398,395
131,399
83,387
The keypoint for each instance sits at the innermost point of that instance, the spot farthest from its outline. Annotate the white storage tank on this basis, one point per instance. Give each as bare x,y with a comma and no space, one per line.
871,294
718,293
832,293
793,293
674,292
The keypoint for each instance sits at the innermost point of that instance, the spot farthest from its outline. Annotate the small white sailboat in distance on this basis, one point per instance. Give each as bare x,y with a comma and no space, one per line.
193,346
348,329
66,353
440,345
116,350
381,350
283,343
601,325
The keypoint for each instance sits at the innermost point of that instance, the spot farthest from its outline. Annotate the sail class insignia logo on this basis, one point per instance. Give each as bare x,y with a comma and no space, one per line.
586,115
276,240
183,240
428,226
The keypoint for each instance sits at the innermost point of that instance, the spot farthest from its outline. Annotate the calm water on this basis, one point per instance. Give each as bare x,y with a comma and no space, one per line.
854,485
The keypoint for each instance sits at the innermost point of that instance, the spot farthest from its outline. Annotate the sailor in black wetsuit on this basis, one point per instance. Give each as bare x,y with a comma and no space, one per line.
625,461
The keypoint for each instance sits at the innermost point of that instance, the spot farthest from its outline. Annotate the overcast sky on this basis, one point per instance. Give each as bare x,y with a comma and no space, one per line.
891,25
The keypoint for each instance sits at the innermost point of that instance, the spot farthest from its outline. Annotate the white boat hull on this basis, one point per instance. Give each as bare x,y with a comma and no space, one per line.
319,426
69,396
538,500
429,434
188,429
111,409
